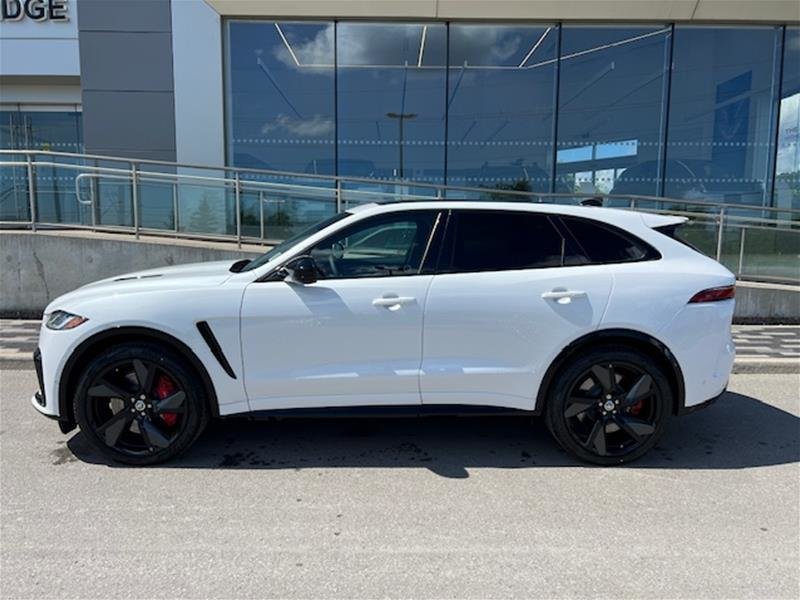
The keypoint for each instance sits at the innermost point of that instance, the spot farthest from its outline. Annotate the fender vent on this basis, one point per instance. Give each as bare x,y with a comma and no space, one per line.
213,345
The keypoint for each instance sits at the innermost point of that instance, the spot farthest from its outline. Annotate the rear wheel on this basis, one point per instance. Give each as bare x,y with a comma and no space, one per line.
140,404
609,406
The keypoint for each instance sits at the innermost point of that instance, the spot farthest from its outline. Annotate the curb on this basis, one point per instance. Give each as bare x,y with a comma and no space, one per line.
766,365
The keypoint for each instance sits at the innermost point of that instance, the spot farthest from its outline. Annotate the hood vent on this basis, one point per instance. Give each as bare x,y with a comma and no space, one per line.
130,277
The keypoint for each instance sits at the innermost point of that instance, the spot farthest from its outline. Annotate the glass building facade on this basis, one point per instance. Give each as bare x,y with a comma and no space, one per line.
684,111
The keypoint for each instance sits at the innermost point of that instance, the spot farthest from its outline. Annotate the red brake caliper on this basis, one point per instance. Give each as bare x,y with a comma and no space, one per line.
166,387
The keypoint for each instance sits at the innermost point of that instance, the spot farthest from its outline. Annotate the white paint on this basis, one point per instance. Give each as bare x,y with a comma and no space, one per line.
197,71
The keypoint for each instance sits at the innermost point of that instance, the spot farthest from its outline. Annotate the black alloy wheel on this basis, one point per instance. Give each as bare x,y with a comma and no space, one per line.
610,406
139,405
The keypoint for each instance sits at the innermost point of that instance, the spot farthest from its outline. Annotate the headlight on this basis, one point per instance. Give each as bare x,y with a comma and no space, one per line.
61,320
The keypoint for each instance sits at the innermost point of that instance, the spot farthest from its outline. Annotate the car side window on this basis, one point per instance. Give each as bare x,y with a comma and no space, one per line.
378,247
487,240
593,242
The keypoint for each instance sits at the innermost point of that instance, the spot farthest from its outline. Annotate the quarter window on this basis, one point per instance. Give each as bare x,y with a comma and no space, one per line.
498,241
596,243
378,247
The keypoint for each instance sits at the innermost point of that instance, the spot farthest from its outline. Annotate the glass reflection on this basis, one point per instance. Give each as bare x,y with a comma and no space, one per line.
500,106
721,103
611,110
281,96
787,166
391,85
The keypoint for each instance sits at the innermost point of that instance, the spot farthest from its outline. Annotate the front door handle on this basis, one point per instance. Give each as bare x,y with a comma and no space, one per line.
393,302
563,296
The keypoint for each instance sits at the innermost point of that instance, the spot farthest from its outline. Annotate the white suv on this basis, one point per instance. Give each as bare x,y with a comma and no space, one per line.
600,320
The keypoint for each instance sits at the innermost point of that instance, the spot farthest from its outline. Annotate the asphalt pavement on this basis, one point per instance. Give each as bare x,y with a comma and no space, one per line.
430,508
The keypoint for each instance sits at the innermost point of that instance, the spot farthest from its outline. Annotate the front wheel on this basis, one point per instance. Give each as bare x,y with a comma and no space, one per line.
140,404
609,406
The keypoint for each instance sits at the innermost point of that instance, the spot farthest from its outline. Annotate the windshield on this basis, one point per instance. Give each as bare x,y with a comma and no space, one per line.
293,241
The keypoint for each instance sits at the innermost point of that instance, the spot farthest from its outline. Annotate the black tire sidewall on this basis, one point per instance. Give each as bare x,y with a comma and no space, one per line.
566,378
176,366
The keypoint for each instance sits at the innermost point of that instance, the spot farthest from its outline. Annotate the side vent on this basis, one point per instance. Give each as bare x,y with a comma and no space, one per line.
214,346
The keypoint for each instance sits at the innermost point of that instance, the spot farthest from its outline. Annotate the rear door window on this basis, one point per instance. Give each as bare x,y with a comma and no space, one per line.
487,240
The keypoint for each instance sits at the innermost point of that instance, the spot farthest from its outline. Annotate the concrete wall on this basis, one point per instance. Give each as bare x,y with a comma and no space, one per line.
127,79
37,267
767,302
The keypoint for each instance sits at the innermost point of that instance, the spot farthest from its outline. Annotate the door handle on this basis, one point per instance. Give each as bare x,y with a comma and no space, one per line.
393,302
563,296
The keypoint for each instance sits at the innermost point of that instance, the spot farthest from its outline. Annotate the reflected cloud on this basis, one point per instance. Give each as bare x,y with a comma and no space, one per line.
316,126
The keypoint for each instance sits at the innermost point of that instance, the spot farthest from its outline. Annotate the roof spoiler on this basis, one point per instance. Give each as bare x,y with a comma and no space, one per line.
655,221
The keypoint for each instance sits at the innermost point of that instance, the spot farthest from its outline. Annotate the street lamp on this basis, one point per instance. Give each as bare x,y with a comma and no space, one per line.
401,117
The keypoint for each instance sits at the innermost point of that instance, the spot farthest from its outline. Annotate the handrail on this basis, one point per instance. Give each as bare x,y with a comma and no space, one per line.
373,181
338,191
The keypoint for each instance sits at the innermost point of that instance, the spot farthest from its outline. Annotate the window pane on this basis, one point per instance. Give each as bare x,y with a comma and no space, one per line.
391,85
497,241
500,101
597,243
720,113
787,176
378,247
611,109
281,96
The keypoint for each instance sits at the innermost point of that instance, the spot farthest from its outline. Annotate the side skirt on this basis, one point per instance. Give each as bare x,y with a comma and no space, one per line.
400,411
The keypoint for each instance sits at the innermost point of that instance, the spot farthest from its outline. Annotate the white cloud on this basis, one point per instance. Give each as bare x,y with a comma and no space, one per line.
313,127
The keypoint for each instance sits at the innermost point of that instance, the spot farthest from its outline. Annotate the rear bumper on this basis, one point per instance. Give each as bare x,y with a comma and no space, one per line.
687,410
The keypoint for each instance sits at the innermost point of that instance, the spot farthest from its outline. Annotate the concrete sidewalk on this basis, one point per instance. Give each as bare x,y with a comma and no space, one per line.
759,348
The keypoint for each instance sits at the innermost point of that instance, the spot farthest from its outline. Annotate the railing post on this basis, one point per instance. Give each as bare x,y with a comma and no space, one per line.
261,212
135,198
633,204
238,211
338,195
175,217
741,253
94,191
31,191
720,232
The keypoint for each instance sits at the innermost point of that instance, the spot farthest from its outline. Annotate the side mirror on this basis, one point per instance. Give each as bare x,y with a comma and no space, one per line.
302,269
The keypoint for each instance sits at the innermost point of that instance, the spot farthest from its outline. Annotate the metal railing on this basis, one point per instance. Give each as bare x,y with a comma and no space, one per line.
243,205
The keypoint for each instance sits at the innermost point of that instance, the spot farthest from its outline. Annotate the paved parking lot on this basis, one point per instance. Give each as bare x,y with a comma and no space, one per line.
446,508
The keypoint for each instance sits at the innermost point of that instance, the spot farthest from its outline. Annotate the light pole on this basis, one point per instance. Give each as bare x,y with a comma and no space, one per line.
401,117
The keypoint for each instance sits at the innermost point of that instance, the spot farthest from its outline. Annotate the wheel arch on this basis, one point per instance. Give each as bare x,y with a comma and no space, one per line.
625,337
98,342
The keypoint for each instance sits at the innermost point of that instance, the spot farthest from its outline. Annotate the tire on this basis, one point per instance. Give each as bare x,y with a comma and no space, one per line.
140,404
610,405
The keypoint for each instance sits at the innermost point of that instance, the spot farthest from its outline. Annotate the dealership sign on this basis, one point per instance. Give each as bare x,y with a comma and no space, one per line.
34,10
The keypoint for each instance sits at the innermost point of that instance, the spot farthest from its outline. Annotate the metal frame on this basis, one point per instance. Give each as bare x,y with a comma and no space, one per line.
334,189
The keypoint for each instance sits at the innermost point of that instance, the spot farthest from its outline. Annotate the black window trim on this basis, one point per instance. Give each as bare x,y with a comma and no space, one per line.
432,247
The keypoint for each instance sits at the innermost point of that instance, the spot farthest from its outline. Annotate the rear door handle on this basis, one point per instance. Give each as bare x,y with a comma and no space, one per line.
563,296
393,302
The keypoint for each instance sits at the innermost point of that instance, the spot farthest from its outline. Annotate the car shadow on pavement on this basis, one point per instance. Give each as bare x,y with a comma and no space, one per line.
737,432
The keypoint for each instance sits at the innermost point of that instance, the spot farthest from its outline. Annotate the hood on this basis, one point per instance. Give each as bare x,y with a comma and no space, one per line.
191,276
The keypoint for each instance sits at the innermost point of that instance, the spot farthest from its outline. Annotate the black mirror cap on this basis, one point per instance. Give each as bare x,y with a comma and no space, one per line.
302,269
239,265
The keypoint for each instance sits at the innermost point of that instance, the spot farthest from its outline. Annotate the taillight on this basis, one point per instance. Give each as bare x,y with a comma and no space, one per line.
716,294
